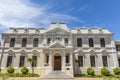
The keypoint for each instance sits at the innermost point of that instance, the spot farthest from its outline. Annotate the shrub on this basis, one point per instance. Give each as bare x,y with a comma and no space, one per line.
10,69
105,71
24,70
116,71
90,71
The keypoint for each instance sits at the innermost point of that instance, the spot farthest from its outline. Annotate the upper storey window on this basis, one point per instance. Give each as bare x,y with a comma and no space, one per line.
91,43
48,40
102,42
35,42
66,40
24,42
12,42
79,42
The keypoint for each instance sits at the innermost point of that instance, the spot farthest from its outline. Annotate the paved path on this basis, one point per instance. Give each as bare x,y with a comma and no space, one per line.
36,78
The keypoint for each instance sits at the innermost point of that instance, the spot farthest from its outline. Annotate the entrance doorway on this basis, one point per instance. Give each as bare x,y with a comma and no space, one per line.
57,62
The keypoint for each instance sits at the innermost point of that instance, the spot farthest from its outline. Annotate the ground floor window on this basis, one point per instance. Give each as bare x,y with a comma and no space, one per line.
34,61
9,61
92,60
104,60
119,62
80,60
22,61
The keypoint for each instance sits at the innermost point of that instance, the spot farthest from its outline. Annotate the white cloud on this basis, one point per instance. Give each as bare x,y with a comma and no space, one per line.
21,13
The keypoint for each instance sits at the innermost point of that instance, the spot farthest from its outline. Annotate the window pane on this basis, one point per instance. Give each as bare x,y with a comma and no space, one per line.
48,40
67,59
66,40
102,42
91,44
35,61
80,59
12,42
104,59
22,60
35,43
24,42
79,42
9,61
92,61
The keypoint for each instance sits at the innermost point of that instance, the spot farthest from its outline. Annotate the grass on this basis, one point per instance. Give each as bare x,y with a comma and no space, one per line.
18,75
96,76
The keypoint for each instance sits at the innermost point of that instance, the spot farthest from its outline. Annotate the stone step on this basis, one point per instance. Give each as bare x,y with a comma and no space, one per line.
57,75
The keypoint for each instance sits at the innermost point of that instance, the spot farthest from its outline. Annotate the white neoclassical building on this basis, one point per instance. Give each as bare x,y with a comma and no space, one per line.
59,48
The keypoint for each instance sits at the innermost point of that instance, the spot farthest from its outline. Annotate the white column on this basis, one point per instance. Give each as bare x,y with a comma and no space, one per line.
70,40
71,58
50,58
43,58
64,59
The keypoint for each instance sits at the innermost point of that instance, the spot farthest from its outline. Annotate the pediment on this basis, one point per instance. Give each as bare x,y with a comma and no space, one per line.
57,30
57,45
10,51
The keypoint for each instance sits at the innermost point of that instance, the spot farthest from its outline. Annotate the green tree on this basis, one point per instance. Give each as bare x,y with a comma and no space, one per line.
24,70
116,71
90,71
32,61
10,69
105,71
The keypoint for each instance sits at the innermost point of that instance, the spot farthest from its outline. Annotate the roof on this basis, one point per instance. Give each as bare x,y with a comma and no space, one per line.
59,25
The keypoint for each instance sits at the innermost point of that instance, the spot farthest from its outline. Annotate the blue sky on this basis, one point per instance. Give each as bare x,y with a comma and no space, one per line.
76,13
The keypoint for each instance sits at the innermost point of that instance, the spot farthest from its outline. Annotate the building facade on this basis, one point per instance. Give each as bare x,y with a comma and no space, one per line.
70,50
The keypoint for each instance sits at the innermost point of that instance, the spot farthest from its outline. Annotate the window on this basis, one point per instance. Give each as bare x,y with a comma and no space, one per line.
66,40
80,59
34,61
92,61
119,62
67,59
9,61
24,42
35,42
48,40
102,42
12,42
104,59
91,44
79,42
22,61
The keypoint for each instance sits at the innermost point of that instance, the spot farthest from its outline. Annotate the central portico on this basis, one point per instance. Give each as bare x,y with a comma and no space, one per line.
57,59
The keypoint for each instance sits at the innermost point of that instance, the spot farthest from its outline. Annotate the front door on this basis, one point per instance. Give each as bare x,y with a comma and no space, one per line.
57,62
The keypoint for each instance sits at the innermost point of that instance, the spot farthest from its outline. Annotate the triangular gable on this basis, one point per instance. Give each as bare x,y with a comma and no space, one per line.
79,51
103,51
56,45
10,51
57,29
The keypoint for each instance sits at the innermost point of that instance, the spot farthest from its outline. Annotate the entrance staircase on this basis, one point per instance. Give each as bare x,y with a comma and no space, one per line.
56,75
